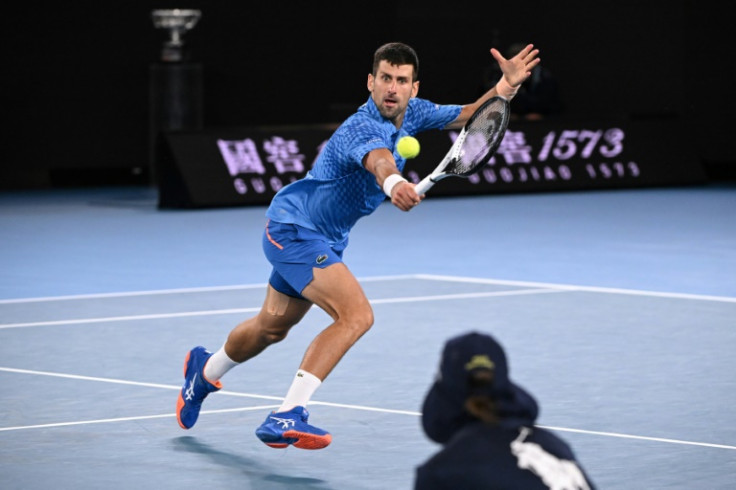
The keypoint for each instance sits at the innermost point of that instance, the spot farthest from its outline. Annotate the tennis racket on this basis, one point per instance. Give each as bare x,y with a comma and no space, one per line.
474,146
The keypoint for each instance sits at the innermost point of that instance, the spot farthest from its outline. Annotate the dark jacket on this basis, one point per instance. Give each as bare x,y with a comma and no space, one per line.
509,454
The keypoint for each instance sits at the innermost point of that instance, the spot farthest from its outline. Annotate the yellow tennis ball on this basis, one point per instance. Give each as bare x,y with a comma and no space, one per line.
408,147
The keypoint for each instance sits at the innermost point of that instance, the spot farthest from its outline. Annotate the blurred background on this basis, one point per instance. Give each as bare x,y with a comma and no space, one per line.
80,106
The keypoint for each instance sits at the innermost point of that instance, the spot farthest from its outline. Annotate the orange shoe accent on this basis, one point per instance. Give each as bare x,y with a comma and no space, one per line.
179,406
277,445
186,361
179,399
308,441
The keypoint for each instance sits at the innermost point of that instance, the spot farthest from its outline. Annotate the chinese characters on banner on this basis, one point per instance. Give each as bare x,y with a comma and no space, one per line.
249,166
594,154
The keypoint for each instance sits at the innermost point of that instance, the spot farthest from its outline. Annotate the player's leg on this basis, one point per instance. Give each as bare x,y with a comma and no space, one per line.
336,291
278,315
308,265
203,370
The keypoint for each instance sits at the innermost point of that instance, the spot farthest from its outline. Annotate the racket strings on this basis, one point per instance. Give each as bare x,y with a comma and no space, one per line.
483,135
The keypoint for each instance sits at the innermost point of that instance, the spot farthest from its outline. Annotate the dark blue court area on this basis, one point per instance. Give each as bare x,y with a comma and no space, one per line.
617,310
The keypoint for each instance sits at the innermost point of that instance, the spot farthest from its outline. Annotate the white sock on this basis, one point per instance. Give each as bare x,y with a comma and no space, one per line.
301,390
218,365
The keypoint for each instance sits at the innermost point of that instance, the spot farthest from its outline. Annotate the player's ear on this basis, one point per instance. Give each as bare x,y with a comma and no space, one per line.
415,88
370,82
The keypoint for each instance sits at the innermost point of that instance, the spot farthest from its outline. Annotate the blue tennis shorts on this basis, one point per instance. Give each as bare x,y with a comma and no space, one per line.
294,251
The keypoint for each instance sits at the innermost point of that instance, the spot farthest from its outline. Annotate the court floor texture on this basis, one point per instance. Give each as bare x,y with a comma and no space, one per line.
617,309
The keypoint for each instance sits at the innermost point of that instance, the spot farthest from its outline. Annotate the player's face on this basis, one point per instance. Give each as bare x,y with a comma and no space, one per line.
391,89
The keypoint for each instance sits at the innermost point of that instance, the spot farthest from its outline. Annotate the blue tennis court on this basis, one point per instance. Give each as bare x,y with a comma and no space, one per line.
616,309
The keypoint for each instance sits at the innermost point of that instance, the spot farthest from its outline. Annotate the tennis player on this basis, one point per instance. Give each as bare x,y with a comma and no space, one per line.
308,223
485,423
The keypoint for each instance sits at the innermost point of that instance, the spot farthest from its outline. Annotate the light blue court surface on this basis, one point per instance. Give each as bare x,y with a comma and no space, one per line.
617,310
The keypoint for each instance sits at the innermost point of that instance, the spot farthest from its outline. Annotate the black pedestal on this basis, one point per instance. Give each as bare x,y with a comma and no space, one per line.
176,103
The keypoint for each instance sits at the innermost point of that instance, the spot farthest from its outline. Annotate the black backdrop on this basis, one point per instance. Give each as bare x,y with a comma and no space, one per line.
75,82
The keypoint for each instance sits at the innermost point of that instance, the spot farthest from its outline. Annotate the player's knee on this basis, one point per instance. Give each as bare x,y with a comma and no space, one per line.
273,337
361,321
368,320
272,332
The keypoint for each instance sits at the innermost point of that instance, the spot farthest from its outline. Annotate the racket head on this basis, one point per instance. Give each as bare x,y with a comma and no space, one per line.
482,135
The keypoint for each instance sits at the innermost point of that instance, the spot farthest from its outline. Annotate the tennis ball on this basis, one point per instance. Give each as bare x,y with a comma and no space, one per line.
408,147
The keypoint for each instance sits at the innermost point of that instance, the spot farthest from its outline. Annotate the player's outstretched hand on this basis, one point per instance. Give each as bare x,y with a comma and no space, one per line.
517,69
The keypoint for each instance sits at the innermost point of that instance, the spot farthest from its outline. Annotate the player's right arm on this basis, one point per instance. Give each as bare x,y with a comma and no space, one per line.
380,162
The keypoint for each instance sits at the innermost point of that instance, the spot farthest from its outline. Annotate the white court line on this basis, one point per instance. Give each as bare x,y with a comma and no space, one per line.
485,294
175,291
429,277
132,293
128,419
570,287
153,316
643,438
131,383
251,395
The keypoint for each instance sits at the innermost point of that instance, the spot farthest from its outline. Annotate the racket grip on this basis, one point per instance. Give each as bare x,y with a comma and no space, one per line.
424,185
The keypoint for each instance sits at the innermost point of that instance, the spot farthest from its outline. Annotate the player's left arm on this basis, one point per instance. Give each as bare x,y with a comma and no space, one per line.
380,162
515,72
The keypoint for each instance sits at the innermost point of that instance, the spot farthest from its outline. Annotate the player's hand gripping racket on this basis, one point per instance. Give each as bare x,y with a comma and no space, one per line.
474,146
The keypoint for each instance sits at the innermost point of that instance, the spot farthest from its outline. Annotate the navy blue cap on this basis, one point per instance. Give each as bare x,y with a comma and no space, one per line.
471,353
463,357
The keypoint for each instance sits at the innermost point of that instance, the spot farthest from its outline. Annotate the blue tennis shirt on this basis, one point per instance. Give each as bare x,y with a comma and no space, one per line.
338,190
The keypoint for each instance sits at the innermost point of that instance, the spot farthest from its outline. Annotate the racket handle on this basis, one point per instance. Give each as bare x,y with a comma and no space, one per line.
424,185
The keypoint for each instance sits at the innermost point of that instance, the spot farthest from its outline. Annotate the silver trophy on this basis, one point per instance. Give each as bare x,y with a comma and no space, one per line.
177,22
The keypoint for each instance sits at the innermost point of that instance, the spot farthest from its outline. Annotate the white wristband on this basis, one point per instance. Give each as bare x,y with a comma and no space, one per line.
505,90
390,182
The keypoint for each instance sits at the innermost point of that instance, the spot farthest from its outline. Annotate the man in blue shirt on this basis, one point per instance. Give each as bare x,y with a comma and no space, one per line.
307,230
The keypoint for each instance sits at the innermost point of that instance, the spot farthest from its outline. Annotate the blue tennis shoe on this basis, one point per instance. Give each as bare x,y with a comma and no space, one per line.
284,428
196,387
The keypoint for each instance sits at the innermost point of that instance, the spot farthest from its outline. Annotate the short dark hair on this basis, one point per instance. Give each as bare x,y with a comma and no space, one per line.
397,54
